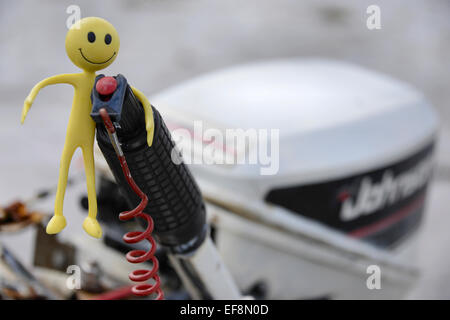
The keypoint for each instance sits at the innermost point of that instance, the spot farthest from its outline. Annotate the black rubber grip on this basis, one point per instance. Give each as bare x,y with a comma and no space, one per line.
175,202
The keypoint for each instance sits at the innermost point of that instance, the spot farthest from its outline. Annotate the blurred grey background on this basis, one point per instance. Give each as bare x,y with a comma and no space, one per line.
164,42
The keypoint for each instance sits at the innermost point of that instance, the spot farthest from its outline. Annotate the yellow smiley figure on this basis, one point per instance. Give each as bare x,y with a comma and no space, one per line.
92,44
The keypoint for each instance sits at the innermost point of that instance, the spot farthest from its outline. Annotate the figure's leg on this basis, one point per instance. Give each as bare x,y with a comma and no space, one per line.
90,224
58,222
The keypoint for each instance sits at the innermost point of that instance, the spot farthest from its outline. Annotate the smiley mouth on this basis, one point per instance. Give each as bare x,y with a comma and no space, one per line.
93,61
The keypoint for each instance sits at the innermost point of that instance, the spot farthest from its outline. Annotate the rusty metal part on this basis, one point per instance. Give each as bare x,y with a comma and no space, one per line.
16,216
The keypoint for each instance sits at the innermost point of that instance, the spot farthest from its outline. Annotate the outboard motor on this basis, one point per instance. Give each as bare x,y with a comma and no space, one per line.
340,182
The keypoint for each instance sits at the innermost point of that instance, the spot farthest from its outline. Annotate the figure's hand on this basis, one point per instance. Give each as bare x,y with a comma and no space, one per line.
26,107
150,127
149,121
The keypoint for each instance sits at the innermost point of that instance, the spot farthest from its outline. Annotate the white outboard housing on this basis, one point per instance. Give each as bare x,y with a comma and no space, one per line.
333,211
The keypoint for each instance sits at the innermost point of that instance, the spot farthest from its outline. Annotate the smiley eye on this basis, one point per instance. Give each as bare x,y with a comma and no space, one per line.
91,37
108,39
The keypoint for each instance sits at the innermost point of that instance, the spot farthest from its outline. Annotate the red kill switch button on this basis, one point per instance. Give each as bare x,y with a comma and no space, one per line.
106,86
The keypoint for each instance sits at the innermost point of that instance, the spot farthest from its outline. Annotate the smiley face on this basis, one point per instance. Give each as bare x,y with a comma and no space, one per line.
92,44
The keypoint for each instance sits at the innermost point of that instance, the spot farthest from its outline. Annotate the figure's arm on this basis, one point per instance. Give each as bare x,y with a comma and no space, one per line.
149,121
61,78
